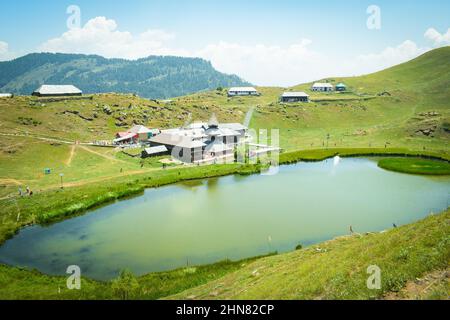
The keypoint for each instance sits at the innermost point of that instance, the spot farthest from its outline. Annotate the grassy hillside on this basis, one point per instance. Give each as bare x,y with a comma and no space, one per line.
407,105
400,111
151,77
337,269
403,107
332,270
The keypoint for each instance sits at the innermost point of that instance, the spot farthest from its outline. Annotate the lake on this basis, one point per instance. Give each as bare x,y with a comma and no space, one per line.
230,217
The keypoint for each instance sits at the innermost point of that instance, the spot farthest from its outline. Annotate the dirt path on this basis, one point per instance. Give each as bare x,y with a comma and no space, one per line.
248,117
71,154
35,137
92,181
102,155
430,286
9,181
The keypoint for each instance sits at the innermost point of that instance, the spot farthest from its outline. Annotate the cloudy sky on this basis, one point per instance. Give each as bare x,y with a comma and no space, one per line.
283,42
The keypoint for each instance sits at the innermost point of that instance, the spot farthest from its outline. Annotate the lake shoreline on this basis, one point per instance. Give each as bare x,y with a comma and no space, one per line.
205,182
125,190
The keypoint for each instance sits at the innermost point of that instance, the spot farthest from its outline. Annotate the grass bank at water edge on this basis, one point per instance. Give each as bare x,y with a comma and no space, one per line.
416,166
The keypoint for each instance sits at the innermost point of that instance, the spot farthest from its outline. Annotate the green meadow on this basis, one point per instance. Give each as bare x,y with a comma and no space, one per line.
416,166
401,111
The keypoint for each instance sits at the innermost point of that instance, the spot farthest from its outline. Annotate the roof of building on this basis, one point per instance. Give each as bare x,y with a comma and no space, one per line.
233,126
341,85
294,94
323,85
123,134
195,133
140,129
57,89
213,121
6,95
176,140
156,149
243,89
123,137
202,125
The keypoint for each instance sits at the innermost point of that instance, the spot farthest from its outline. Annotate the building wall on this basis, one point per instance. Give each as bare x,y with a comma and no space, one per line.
242,93
298,99
37,94
323,89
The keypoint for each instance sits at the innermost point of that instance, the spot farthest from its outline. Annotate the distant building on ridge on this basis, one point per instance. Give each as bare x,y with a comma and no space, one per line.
341,87
324,87
57,91
294,97
242,91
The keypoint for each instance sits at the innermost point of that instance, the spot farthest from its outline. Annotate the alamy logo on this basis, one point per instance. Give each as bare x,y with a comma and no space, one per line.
74,20
374,20
374,280
74,280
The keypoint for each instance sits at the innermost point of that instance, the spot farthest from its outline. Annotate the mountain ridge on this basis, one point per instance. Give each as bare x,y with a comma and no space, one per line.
152,77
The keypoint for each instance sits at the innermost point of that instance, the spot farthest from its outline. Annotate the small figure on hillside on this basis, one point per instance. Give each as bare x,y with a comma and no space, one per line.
164,165
28,190
31,193
142,164
351,230
394,225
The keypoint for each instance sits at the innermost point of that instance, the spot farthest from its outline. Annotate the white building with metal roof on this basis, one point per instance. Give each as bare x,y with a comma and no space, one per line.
322,86
242,91
57,90
294,97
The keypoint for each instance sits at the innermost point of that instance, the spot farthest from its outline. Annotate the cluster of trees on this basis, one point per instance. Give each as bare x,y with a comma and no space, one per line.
154,77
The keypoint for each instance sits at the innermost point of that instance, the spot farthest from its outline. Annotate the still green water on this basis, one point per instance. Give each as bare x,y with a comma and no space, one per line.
230,217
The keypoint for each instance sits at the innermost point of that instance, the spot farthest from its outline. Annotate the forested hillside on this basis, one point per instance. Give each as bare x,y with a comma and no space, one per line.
153,77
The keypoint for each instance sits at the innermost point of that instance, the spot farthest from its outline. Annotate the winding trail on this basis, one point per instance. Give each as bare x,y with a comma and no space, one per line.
35,137
248,117
102,155
9,181
90,181
71,155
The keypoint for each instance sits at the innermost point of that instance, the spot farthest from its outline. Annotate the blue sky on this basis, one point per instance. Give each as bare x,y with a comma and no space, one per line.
327,29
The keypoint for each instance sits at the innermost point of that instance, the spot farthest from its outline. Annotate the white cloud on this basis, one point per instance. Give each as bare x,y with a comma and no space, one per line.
260,64
101,36
387,58
5,52
3,47
298,63
437,38
267,65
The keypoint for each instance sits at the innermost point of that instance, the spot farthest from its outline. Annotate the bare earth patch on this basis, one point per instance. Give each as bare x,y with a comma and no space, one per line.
433,285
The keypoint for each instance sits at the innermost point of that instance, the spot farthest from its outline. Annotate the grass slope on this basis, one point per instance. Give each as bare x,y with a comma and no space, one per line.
416,166
334,269
16,283
400,111
337,269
